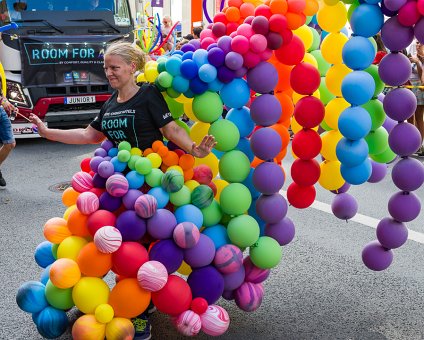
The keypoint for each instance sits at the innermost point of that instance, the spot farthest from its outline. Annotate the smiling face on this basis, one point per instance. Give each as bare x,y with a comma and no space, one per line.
118,72
420,49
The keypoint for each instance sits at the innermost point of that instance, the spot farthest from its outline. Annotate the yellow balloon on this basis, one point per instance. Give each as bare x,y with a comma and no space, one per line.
332,18
151,74
210,160
155,159
68,211
141,78
151,64
70,247
104,313
332,46
333,110
89,293
334,78
305,34
119,328
329,143
330,177
296,96
136,152
183,99
177,168
296,127
191,184
310,59
87,327
184,269
198,131
188,110
220,185
331,2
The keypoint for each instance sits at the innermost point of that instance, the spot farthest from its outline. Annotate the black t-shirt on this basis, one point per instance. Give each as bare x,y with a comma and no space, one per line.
136,121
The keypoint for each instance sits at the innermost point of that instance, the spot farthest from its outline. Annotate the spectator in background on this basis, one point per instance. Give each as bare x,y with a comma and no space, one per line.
381,49
197,31
165,30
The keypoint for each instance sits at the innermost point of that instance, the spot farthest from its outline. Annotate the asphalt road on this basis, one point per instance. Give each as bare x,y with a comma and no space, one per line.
320,290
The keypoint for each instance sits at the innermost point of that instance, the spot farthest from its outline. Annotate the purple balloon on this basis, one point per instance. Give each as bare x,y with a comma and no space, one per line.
394,5
161,225
376,257
254,274
234,280
228,295
109,202
395,36
389,124
344,188
395,69
131,226
130,197
233,60
408,174
105,169
167,253
404,139
283,231
225,74
224,43
107,145
100,152
391,233
387,12
344,206
195,43
263,78
378,173
271,208
99,181
95,161
202,254
266,110
187,48
260,25
268,178
404,206
206,282
211,46
219,29
248,296
266,143
216,56
419,30
400,104
274,40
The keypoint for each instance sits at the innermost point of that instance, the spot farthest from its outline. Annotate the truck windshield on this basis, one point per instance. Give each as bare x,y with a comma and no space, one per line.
14,8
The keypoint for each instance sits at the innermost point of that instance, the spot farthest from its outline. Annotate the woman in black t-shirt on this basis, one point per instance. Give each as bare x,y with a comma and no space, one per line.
136,114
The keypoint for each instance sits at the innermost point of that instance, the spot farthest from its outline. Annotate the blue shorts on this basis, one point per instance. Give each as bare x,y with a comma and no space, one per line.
6,132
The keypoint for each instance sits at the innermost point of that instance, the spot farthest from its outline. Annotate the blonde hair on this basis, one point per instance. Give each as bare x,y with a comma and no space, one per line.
128,52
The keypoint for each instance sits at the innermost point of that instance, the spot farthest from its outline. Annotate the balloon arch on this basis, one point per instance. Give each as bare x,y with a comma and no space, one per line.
272,65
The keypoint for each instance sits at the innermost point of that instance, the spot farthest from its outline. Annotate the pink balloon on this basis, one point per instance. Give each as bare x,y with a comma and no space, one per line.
206,42
207,33
245,30
258,43
240,44
409,15
251,59
265,55
420,6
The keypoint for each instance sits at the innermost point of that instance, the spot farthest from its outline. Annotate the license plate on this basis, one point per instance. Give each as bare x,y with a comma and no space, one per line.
24,129
80,100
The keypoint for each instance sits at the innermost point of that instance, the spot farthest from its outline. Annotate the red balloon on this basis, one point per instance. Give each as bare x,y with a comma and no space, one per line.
98,219
199,305
305,172
97,191
277,23
174,298
300,197
305,79
306,144
220,17
263,10
291,53
128,259
309,112
231,27
85,165
212,185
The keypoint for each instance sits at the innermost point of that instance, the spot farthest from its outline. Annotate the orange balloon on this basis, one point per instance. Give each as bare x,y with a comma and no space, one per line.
280,157
232,14
295,20
287,106
235,3
163,167
157,144
92,262
87,327
247,9
64,273
56,230
148,151
283,74
188,174
162,151
296,6
77,223
69,197
128,299
311,8
278,6
284,134
186,161
256,161
171,158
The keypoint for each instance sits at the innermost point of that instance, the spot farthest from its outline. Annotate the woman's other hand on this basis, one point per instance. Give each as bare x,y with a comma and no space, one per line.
42,128
204,148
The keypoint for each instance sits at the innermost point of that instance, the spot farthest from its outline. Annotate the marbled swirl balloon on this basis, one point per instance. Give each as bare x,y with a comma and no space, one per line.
108,239
186,235
152,276
253,273
117,185
202,196
82,181
145,206
172,181
215,321
249,296
188,323
228,259
87,203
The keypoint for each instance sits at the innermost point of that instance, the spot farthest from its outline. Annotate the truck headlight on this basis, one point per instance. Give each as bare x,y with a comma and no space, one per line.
15,94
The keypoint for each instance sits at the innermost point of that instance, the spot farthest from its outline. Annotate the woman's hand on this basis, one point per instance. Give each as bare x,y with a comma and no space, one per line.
8,106
204,148
41,127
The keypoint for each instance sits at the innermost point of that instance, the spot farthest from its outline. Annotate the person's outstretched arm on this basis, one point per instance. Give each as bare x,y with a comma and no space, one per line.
89,135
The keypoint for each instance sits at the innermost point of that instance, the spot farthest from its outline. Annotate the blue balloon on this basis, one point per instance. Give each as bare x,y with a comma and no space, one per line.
207,73
241,118
218,234
189,93
187,55
252,212
366,20
345,31
215,85
244,146
358,53
218,153
118,165
51,322
236,93
180,84
197,86
113,152
173,65
31,298
43,254
161,195
200,57
189,69
354,123
189,213
135,180
248,182
45,275
357,174
178,53
358,87
324,34
352,152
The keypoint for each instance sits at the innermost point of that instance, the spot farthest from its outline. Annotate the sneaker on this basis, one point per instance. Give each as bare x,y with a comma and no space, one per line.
2,182
142,327
151,309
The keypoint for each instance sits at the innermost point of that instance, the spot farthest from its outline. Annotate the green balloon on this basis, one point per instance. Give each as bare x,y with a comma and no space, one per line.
377,141
181,197
226,134
212,214
124,156
54,250
161,65
177,109
325,126
376,111
235,199
143,166
308,20
316,39
374,43
124,146
207,107
348,2
234,166
386,156
180,123
266,253
352,7
154,178
159,86
243,231
225,219
324,94
132,161
165,79
323,65
59,298
172,93
379,84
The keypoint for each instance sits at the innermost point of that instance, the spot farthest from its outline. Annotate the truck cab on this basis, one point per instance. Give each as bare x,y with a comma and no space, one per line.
53,61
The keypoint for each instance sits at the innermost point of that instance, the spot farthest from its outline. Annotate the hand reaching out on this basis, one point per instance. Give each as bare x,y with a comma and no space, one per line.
40,125
204,148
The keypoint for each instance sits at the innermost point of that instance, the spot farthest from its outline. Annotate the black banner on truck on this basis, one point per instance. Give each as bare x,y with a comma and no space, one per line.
50,62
